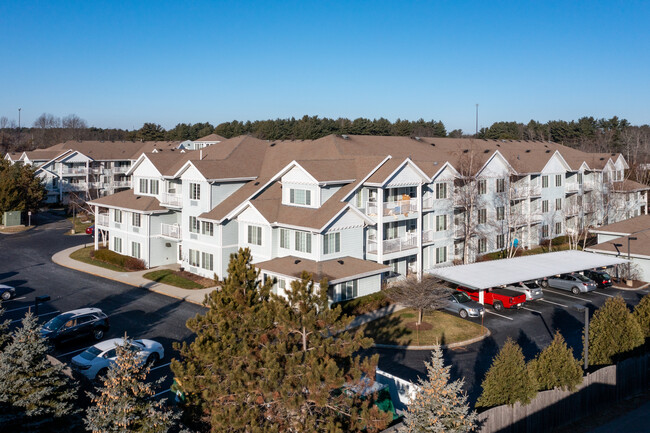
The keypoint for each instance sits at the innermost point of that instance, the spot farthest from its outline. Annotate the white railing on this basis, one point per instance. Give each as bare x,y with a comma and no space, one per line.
427,203
96,185
122,184
170,230
400,207
102,219
81,186
120,169
535,190
427,236
459,232
395,245
169,199
535,218
74,170
588,186
572,187
520,192
96,170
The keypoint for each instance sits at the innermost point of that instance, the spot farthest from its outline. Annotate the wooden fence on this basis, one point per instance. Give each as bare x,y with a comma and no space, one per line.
552,409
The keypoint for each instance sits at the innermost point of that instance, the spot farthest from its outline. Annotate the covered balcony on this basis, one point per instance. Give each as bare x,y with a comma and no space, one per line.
395,245
171,200
172,231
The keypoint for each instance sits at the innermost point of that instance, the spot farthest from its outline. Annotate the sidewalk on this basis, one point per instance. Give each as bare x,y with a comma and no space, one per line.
62,258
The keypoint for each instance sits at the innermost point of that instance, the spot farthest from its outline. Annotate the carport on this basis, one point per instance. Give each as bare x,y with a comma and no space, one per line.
484,275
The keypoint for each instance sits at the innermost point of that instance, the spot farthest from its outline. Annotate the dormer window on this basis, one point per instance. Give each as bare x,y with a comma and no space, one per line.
148,186
300,196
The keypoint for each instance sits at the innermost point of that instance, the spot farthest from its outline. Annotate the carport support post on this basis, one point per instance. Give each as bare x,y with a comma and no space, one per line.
586,338
97,231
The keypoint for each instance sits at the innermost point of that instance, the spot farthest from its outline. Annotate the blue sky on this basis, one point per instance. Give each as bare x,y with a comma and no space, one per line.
120,64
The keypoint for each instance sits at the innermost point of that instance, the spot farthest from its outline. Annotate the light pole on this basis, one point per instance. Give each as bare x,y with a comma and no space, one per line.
618,253
19,119
586,333
629,264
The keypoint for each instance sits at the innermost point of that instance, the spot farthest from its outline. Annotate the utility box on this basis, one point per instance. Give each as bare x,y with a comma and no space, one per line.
11,218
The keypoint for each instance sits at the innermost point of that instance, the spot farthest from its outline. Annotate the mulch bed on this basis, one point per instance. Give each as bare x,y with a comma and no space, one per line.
205,282
424,326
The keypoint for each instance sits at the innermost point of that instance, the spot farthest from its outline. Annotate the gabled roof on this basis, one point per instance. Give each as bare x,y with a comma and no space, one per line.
628,185
625,227
211,137
128,200
638,247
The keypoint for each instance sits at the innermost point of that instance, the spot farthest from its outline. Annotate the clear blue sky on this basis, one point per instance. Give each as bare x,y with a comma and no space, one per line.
120,64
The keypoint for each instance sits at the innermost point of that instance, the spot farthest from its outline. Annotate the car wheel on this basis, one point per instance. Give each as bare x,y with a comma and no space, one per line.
101,374
544,284
463,314
152,359
498,305
575,291
98,333
6,295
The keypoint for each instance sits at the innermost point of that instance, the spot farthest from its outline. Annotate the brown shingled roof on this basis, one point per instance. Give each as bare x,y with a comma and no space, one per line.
626,227
641,246
128,200
336,270
629,186
211,137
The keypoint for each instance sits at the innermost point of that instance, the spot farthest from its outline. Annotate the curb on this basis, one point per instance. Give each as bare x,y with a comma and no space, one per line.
444,346
631,289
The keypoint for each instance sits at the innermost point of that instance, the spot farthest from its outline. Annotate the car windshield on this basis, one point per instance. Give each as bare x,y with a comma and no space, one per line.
90,353
56,323
606,276
582,278
462,297
531,285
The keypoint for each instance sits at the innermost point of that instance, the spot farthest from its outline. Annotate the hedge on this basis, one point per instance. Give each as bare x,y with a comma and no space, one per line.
127,262
363,304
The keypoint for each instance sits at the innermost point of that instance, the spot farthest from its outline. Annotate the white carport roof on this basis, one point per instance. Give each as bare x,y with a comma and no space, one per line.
495,273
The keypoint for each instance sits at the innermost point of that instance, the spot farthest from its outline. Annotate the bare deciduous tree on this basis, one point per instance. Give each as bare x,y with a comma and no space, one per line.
428,294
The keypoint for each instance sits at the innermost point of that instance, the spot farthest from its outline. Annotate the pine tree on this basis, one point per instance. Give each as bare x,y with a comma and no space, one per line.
439,405
123,403
35,394
319,362
508,380
642,315
4,326
556,367
613,331
229,365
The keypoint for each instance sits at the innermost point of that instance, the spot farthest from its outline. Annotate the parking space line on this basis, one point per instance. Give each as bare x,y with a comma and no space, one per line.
40,315
530,309
554,303
604,294
568,296
15,299
160,366
70,353
20,308
496,314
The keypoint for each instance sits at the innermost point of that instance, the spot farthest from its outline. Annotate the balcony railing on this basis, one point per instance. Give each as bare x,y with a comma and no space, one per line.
74,170
170,230
459,233
96,185
121,169
403,243
427,236
169,199
572,187
588,186
402,207
535,190
122,184
103,219
520,192
427,203
96,170
81,186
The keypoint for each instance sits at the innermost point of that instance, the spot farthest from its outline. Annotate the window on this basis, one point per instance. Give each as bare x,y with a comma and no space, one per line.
135,250
501,185
579,178
153,187
195,191
303,242
347,290
136,219
558,204
279,286
285,240
207,228
482,245
545,206
558,228
501,241
359,199
482,216
501,213
117,245
544,181
194,225
300,196
117,216
144,186
441,255
544,231
441,190
207,261
482,187
558,180
255,235
332,243
441,223
194,258
391,230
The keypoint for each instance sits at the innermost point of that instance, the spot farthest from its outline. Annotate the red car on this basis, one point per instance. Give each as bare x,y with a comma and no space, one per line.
90,230
499,298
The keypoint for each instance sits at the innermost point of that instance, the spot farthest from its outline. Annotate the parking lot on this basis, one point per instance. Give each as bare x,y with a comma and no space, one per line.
25,263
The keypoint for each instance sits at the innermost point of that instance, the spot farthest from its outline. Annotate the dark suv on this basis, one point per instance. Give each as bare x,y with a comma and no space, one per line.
601,278
74,324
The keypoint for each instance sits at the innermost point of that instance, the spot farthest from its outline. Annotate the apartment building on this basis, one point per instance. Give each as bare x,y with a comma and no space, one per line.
358,210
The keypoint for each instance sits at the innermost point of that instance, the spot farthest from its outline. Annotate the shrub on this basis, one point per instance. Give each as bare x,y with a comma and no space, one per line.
108,256
642,315
556,367
613,331
133,264
363,304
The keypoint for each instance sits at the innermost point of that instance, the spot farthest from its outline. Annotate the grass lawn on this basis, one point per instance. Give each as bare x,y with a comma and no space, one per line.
79,227
167,276
83,255
444,329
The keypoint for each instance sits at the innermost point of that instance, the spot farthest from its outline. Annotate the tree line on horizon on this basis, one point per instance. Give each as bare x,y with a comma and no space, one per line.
587,133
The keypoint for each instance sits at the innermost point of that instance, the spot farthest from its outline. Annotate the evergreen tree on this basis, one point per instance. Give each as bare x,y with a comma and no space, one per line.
20,189
35,394
439,405
4,326
612,331
508,380
556,367
642,315
229,365
319,362
123,403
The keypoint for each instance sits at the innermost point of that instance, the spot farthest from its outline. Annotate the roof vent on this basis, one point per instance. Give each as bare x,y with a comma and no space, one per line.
613,154
498,145
503,141
433,144
256,183
486,151
548,151
272,144
602,159
435,162
527,150
295,262
419,139
466,150
546,145
518,157
344,136
340,262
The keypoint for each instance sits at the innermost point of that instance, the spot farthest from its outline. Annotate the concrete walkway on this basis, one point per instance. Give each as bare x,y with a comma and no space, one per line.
195,296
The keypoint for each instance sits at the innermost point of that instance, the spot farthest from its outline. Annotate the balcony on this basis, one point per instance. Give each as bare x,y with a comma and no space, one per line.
122,184
588,186
121,169
96,170
427,236
427,203
81,186
459,233
520,192
102,219
572,188
535,218
172,231
79,171
394,208
96,185
535,190
171,200
396,245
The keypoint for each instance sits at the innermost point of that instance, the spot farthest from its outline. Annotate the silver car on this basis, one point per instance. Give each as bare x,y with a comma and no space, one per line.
531,289
462,304
575,283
